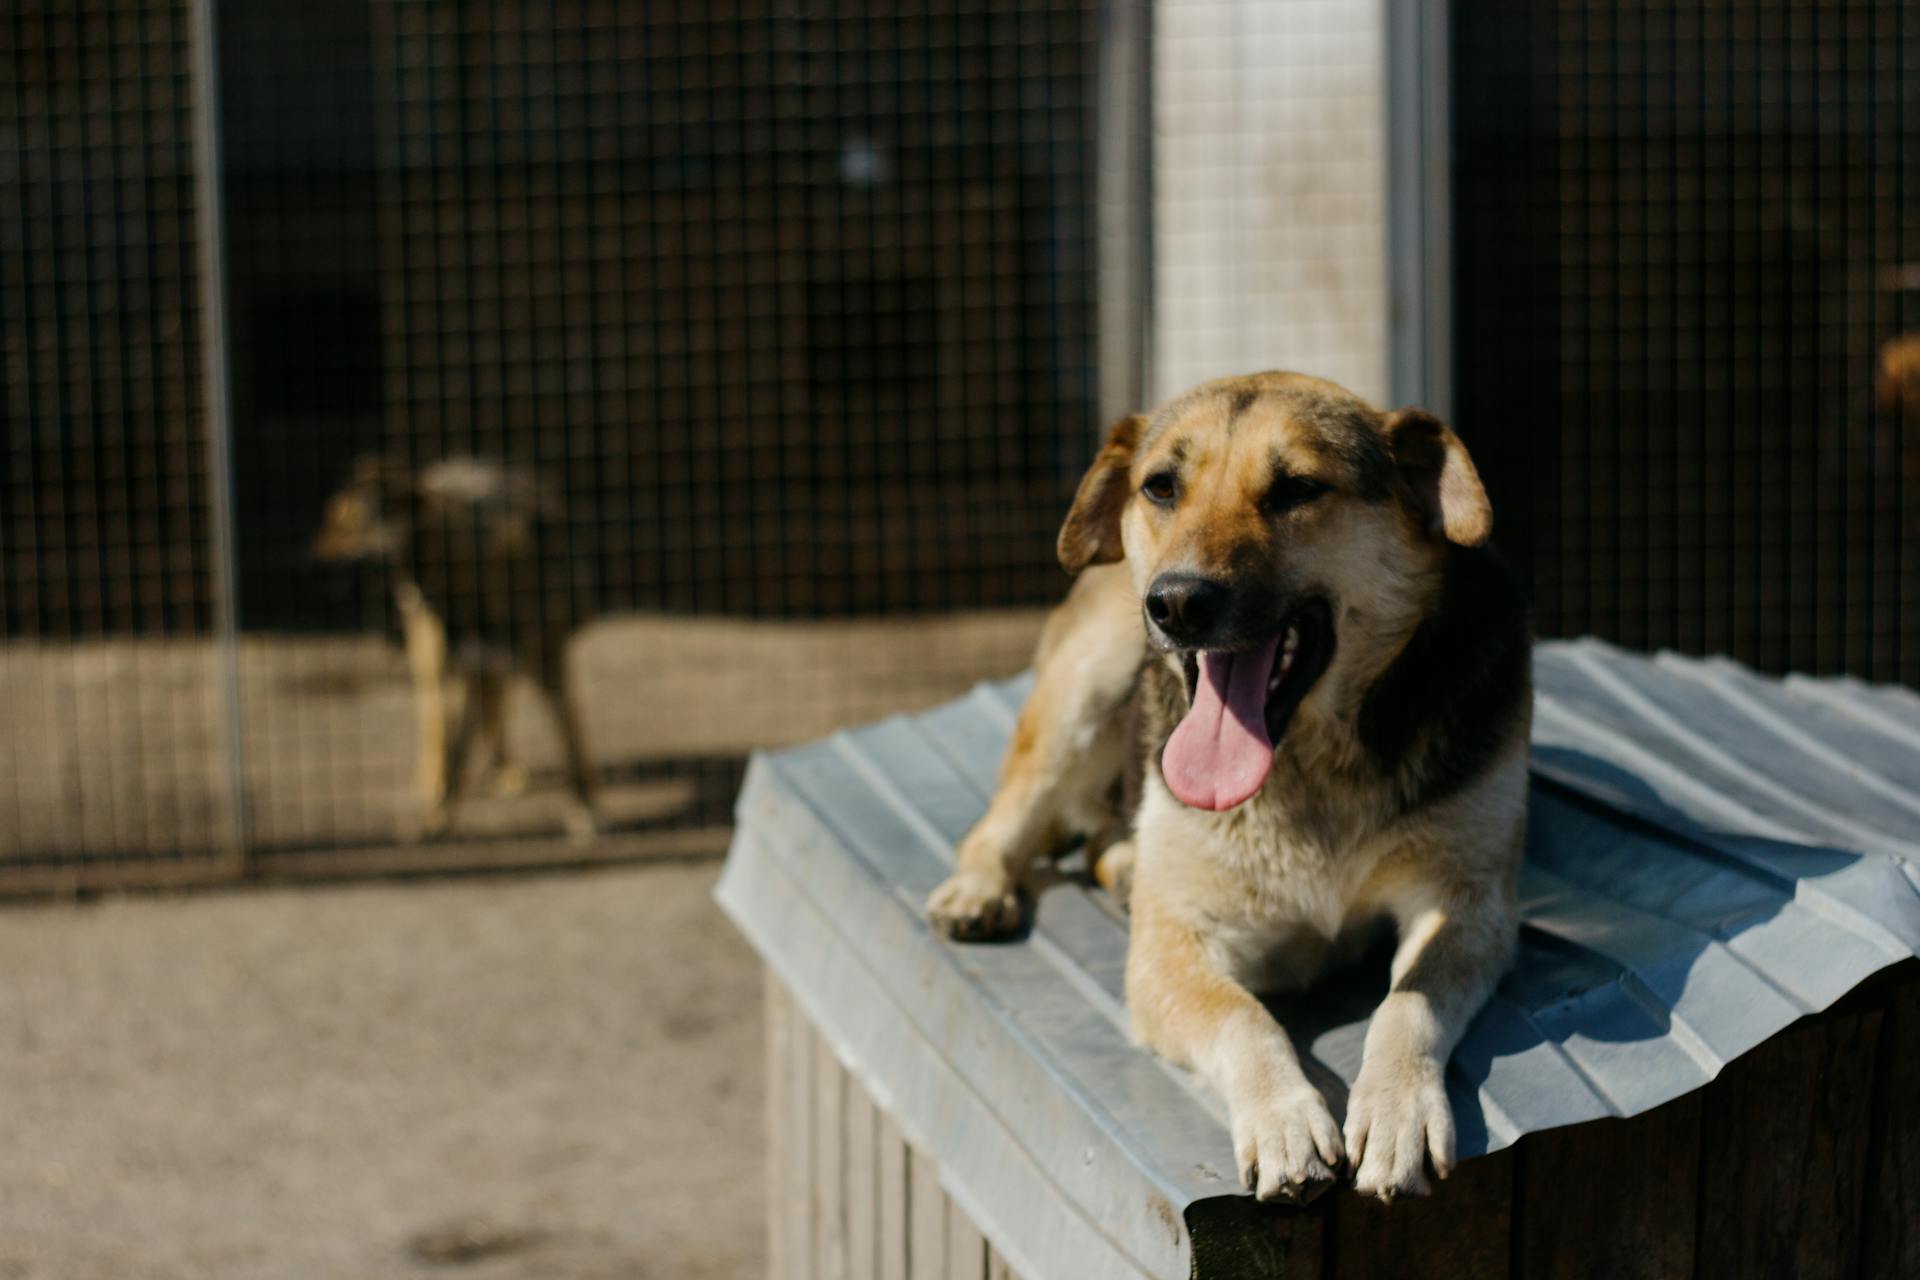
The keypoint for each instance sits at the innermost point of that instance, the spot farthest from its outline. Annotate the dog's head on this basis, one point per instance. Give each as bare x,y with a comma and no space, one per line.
367,518
1284,537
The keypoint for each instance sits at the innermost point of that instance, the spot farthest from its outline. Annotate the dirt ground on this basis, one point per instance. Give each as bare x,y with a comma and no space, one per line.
552,1076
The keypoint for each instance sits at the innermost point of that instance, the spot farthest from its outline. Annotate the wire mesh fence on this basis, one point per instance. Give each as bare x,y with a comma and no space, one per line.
104,504
1687,259
614,389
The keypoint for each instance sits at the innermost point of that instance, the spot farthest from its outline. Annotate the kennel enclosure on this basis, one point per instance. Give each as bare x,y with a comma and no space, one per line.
813,315
794,308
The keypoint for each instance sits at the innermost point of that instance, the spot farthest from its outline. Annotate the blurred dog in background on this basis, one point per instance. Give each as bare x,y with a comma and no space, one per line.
1896,394
464,539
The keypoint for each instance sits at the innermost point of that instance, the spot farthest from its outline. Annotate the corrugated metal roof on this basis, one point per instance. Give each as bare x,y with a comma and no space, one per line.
1710,855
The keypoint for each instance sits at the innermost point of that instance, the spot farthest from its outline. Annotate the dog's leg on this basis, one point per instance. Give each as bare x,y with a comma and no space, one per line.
556,684
1187,1008
1113,868
1454,945
509,779
1067,750
459,752
426,641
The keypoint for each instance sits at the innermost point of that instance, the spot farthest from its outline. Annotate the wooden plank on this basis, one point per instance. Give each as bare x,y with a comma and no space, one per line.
1462,1229
893,1168
84,875
829,1164
966,1247
798,1204
1890,1234
779,1050
926,1219
1783,1151
1235,1237
1614,1198
398,861
863,1185
439,857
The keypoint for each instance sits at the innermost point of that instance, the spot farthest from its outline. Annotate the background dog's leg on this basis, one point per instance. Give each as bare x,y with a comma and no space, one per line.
1454,945
1189,1010
1066,752
460,749
496,752
426,641
582,824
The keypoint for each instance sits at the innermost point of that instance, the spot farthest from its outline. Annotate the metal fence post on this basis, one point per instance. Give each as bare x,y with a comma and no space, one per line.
1419,240
218,399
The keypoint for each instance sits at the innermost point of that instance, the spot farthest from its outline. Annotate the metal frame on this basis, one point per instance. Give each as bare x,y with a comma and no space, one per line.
218,379
1124,207
1419,265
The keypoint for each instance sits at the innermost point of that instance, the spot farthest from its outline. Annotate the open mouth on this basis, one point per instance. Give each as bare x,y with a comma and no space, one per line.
1238,706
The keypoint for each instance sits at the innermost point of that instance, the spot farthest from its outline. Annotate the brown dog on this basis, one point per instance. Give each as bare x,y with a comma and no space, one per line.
463,540
1329,675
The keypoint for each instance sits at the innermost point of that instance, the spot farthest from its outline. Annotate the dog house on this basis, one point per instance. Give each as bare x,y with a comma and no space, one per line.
1700,1065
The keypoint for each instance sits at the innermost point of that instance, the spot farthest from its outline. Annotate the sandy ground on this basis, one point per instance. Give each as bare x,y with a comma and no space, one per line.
119,747
548,1076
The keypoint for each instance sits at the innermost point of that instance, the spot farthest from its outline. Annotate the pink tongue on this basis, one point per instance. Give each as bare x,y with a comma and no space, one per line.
1220,753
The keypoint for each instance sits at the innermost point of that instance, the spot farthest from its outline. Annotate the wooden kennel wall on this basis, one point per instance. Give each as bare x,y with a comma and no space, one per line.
1801,1162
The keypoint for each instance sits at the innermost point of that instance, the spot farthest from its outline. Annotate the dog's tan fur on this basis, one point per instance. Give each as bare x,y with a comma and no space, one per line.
1426,832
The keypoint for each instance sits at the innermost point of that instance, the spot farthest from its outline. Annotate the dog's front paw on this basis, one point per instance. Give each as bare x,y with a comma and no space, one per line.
1287,1145
430,823
975,905
1397,1117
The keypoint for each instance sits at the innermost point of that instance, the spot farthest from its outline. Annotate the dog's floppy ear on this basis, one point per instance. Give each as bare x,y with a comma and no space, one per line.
1439,477
1091,534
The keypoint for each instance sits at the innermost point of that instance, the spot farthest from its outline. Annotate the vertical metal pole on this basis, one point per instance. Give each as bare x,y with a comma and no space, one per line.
217,395
1124,209
1419,205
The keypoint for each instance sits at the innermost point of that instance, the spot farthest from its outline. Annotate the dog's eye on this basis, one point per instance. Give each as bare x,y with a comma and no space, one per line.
1161,488
1289,492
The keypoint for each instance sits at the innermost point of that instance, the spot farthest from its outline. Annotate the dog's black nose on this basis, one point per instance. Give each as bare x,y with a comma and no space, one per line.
1186,607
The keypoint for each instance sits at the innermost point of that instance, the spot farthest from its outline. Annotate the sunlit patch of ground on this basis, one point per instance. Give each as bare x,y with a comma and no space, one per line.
118,747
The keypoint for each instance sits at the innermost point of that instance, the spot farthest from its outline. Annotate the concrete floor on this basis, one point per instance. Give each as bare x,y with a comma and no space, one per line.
541,1076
